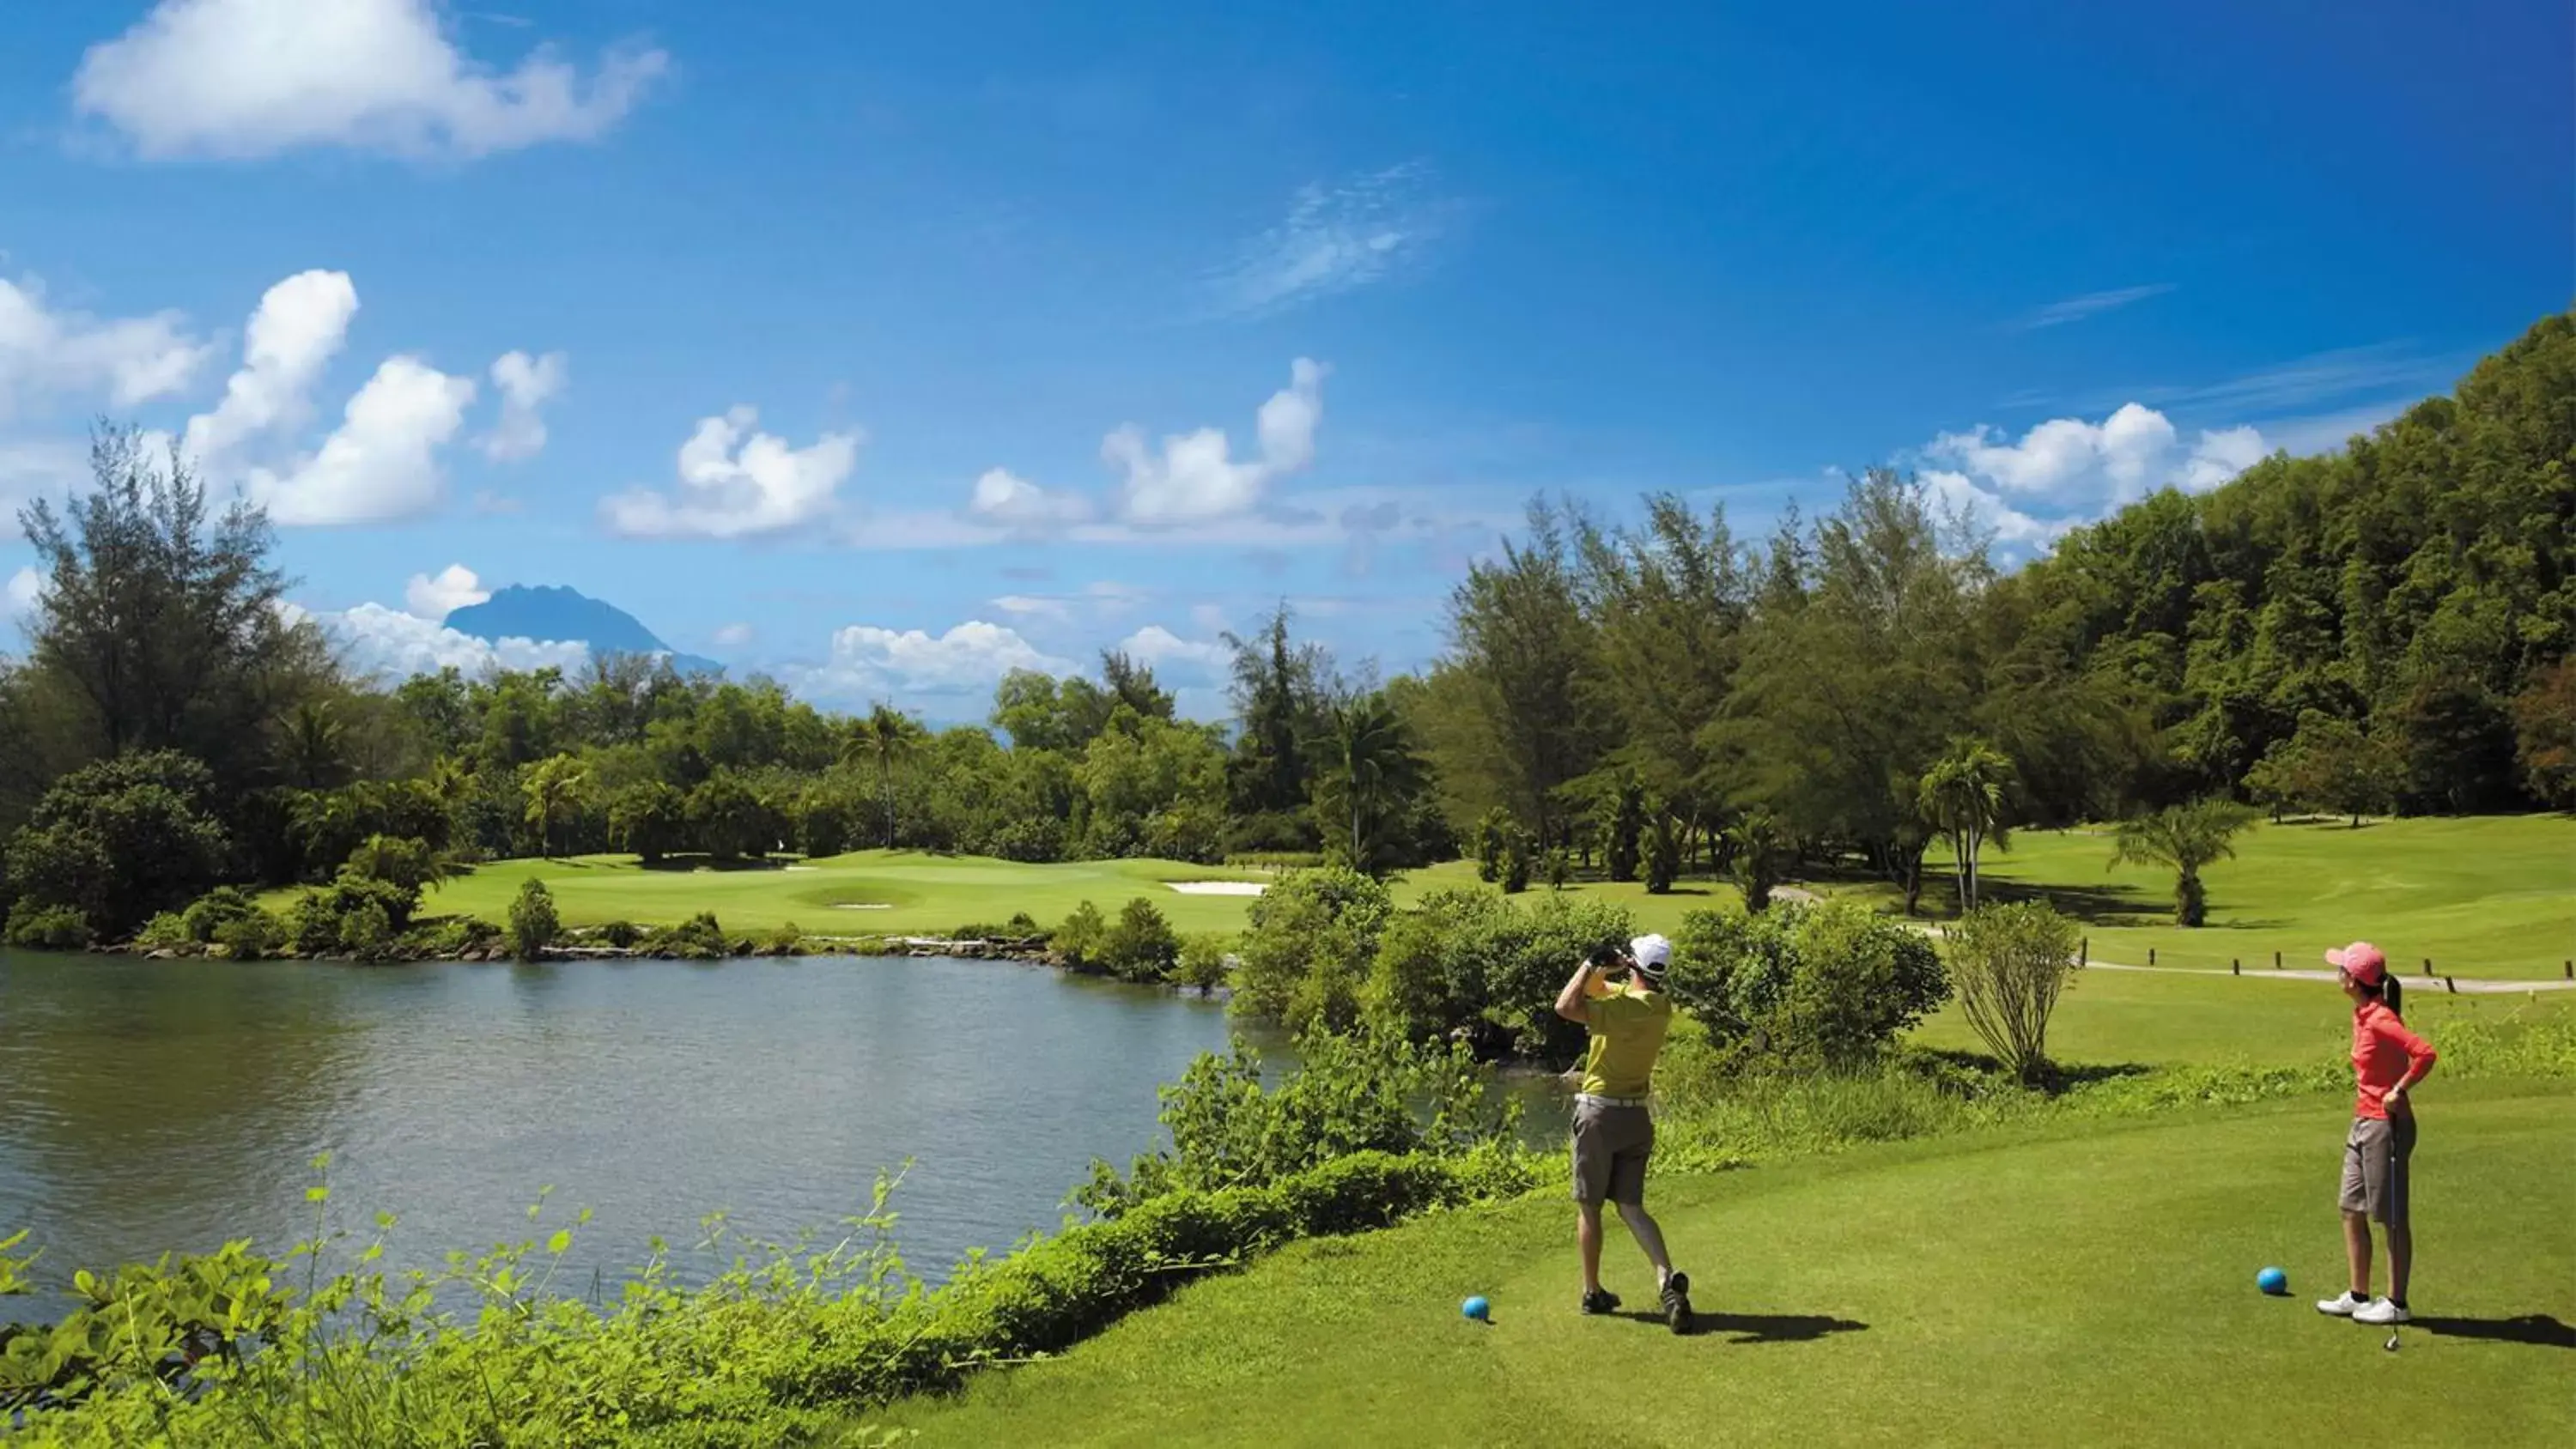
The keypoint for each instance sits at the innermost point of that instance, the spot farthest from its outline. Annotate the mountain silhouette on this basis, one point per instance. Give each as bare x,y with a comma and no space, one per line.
552,613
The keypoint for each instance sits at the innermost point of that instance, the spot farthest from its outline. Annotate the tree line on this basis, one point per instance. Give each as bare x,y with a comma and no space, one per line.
2383,628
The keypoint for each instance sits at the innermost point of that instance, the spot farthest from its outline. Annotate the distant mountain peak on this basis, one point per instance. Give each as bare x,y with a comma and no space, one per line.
553,613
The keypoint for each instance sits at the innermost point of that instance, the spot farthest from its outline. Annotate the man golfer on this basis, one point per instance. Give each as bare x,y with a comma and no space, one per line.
1613,1132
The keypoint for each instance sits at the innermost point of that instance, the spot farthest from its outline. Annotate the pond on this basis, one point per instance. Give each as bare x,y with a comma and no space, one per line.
168,1106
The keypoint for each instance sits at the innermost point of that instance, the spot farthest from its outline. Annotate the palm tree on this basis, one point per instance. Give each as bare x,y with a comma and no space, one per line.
883,735
1759,849
1963,796
2184,838
553,788
1370,764
313,746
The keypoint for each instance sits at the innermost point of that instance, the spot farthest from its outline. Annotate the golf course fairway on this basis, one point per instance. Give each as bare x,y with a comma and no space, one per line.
2087,1283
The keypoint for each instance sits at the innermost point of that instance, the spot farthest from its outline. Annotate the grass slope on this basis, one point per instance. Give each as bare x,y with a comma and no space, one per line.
2489,896
925,894
2090,1284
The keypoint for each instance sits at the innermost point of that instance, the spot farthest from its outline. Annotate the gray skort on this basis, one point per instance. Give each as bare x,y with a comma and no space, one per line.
1611,1145
2374,1167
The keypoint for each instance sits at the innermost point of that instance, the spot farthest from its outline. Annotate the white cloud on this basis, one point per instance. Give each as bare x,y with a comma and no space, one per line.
1033,606
381,463
2072,463
25,587
1207,618
247,78
2076,309
1012,503
525,383
733,636
298,327
736,482
388,645
437,596
868,662
2010,526
1334,239
1162,648
1195,479
132,359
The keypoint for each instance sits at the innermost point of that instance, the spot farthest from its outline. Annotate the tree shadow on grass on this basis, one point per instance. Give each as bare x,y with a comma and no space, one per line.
2537,1329
1758,1327
2054,1077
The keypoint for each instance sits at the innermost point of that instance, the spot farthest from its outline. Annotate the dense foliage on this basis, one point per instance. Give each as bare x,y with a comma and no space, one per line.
2386,627
1827,985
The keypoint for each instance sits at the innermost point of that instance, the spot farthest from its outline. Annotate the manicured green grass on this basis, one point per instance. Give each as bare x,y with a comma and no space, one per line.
923,894
2167,1018
2091,1283
2488,896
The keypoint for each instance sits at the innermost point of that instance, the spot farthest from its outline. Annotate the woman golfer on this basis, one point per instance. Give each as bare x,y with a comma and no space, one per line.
2387,1060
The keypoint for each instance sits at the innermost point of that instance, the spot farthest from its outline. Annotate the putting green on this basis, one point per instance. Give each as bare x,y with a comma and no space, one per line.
2087,1284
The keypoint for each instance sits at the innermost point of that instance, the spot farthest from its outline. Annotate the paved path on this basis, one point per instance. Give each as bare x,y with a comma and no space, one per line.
2413,983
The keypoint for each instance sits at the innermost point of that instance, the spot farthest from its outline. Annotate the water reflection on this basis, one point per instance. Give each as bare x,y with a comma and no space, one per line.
152,1106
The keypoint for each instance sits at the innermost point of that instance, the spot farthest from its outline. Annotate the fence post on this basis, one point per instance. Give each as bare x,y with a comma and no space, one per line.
2084,952
2428,965
2235,968
2276,960
2453,985
2151,955
2571,969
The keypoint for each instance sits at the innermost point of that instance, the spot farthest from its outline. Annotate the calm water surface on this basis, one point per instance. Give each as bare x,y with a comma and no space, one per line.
155,1106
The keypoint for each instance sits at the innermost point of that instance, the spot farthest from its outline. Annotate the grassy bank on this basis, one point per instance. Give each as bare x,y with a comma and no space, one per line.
866,893
2079,1283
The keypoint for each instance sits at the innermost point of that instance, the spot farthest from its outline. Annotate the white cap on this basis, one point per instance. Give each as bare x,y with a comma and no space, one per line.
1653,953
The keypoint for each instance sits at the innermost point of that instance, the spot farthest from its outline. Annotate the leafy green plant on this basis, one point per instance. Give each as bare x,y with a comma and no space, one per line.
206,915
1203,962
2009,963
533,922
1829,984
620,934
1140,945
1079,939
254,937
35,927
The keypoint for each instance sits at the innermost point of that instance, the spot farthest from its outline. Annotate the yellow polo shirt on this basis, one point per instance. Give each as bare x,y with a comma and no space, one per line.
1628,1027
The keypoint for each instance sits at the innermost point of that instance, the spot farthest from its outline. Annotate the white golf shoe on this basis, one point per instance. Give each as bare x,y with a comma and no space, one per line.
2343,1305
2381,1312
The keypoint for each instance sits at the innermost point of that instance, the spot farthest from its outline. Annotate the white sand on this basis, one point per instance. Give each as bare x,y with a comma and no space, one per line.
804,867
1218,887
862,906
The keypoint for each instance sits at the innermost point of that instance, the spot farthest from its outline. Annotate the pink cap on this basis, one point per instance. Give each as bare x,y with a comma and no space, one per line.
2362,961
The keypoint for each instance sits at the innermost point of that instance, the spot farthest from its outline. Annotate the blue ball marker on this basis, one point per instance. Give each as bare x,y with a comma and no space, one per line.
2273,1281
1477,1308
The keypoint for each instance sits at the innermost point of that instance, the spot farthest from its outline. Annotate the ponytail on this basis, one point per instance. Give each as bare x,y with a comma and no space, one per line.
2392,994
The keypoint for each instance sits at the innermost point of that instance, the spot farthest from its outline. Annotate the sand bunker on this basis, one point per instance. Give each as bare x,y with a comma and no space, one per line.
1218,887
862,906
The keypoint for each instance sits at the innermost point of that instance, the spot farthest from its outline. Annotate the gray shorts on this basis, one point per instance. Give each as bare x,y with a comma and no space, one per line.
1611,1145
2374,1167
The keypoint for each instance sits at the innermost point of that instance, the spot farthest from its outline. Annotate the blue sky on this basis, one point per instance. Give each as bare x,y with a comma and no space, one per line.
880,347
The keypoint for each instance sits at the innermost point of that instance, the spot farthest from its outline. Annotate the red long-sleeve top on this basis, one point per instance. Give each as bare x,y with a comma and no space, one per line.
2383,1052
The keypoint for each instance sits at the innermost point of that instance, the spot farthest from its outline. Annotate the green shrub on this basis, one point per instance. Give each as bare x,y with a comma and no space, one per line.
1663,853
398,860
620,934
533,922
1367,1092
786,940
36,927
354,916
254,937
2009,963
208,913
699,938
1078,942
1203,961
1467,963
167,931
455,936
1140,945
1307,952
1515,866
1831,984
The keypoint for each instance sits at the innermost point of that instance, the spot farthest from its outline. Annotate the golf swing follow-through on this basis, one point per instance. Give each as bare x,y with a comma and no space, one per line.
1614,1132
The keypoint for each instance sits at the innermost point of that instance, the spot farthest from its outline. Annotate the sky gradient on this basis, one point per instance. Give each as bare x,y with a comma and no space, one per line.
883,349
